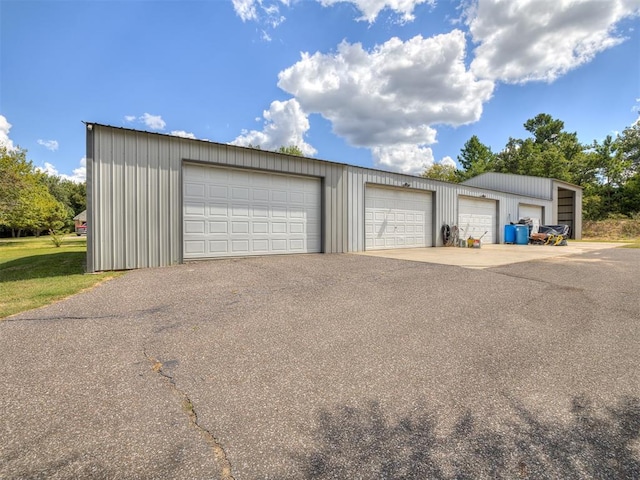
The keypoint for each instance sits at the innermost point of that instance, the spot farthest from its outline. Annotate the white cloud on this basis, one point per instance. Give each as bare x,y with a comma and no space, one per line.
392,95
49,144
405,158
541,40
371,8
245,9
448,162
285,124
5,126
154,122
182,133
79,174
266,12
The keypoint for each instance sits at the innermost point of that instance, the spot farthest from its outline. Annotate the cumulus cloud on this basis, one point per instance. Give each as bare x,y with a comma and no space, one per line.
154,122
285,124
370,9
541,40
5,126
49,144
392,95
404,158
79,174
182,133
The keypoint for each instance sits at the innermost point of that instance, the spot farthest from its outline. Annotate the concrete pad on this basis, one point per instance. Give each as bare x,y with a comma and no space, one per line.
489,255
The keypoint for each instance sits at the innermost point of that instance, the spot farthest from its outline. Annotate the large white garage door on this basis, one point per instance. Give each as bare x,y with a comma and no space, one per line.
476,216
397,218
232,212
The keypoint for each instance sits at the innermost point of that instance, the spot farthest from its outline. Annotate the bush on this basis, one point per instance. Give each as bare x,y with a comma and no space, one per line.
56,237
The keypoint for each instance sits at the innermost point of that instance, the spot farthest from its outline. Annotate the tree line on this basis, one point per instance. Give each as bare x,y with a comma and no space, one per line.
33,202
608,171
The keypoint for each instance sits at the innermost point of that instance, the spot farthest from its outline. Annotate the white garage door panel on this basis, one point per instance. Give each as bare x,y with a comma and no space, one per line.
530,211
397,218
476,216
235,213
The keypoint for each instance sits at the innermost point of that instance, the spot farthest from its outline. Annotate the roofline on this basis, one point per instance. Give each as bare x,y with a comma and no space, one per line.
528,176
332,162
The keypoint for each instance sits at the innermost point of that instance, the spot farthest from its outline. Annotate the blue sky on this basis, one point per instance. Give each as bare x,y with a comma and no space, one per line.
389,84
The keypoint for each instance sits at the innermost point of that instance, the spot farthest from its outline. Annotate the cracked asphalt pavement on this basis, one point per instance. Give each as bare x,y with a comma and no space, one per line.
331,366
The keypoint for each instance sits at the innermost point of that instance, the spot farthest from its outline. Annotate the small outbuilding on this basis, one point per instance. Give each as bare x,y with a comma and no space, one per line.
156,200
80,223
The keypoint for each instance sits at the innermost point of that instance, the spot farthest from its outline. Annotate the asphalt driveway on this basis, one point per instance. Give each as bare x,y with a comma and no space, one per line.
331,366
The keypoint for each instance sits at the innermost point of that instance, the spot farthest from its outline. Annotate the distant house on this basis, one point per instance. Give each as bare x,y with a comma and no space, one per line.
81,223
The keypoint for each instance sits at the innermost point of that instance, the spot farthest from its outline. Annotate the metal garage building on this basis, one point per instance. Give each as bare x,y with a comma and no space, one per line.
566,198
157,200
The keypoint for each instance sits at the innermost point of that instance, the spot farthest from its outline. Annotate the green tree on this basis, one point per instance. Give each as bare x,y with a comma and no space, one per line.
475,158
630,198
611,165
550,151
438,171
15,170
36,210
629,145
72,195
291,150
26,203
544,128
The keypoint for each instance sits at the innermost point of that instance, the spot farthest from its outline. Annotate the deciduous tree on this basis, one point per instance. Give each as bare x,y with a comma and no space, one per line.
438,171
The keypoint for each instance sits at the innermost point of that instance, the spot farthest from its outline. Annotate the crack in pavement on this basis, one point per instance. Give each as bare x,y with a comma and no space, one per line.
218,451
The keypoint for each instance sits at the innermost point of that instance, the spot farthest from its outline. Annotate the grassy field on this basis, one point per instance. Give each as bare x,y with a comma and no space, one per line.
33,272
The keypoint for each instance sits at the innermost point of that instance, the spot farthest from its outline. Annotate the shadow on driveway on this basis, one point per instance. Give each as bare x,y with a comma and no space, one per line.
365,443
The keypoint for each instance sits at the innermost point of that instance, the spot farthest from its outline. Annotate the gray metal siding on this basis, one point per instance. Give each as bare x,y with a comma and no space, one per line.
134,189
517,184
135,194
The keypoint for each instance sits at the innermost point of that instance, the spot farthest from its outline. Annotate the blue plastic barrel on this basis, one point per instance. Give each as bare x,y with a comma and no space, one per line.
509,234
522,234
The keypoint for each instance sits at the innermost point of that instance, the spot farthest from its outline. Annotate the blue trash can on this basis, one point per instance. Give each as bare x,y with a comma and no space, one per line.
509,234
522,234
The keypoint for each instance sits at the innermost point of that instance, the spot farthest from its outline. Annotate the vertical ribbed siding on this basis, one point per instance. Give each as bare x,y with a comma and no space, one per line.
90,201
134,188
444,197
539,187
135,194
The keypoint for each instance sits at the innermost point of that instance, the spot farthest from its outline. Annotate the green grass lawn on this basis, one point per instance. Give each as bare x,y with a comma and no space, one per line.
33,272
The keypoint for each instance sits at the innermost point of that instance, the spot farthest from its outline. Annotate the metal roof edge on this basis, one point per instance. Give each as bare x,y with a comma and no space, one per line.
332,162
527,176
